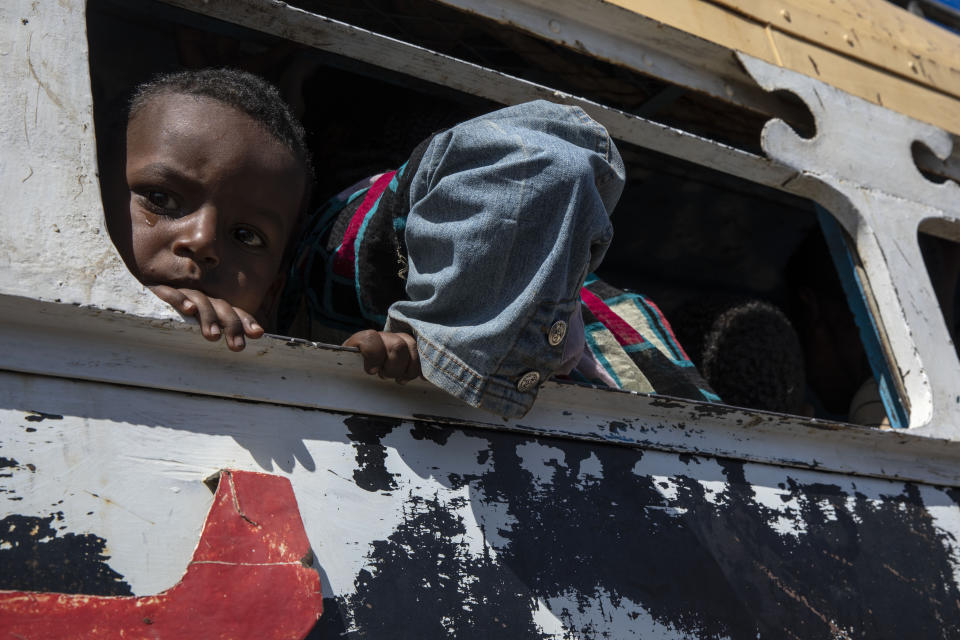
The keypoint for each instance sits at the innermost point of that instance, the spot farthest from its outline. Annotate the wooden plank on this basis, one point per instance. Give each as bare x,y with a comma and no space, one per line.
711,22
872,31
868,82
735,29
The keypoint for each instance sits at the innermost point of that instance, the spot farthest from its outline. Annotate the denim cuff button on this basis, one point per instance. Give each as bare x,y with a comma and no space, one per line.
557,333
528,382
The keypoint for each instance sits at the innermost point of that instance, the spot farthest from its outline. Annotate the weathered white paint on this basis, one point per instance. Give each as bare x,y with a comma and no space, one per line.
591,469
711,477
54,245
828,510
787,509
859,166
766,482
597,614
541,461
946,518
661,469
495,521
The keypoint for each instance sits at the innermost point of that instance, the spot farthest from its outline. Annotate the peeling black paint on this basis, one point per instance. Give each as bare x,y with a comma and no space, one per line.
712,410
446,420
421,567
616,426
704,570
36,556
39,416
33,557
879,572
582,538
430,431
331,624
665,403
366,432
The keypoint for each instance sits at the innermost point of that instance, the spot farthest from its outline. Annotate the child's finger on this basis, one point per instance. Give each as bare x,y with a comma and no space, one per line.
206,314
231,323
402,356
413,367
371,348
251,327
397,356
175,298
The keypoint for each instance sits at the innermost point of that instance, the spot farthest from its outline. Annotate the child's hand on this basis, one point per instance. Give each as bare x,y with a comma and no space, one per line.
216,316
390,355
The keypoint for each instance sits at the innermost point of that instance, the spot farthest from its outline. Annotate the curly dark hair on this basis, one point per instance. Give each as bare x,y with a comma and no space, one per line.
747,350
244,91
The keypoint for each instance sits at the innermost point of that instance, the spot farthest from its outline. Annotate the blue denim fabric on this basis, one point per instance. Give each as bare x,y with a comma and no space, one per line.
508,214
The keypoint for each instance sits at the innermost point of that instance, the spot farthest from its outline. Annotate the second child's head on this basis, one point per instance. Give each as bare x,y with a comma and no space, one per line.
218,176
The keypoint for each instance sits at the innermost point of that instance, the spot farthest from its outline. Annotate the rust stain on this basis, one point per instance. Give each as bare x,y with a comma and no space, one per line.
839,559
897,573
118,505
54,98
26,127
835,631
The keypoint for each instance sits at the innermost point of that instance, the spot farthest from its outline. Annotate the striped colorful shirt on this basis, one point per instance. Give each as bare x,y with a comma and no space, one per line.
350,266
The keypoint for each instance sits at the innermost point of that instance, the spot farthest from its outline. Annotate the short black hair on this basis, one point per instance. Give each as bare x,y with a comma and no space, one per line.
746,349
241,90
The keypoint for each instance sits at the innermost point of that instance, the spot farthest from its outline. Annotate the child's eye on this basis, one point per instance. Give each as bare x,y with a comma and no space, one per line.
162,200
249,237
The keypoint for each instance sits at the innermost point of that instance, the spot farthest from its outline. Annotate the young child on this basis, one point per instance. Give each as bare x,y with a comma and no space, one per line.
218,175
466,265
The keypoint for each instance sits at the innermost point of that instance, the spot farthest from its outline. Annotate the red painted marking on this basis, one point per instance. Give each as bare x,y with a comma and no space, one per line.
621,330
246,580
345,257
666,326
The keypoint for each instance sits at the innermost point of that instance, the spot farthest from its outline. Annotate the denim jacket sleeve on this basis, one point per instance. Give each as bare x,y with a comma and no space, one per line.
508,214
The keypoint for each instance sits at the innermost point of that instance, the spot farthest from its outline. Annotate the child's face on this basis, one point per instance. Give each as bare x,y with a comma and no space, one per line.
213,199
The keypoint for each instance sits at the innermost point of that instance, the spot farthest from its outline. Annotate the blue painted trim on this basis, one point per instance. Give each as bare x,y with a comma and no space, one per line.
710,396
869,332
